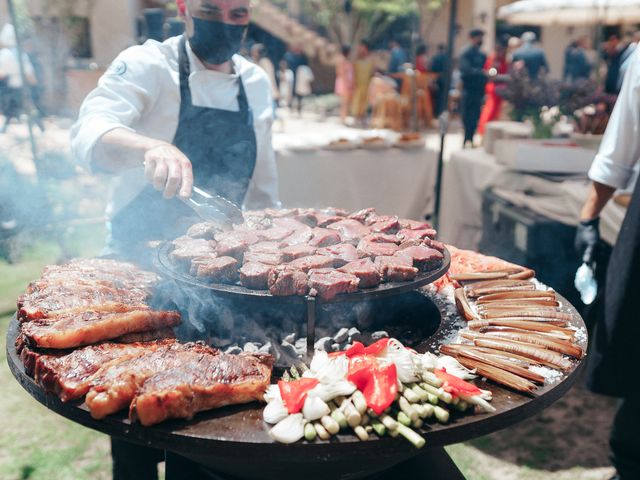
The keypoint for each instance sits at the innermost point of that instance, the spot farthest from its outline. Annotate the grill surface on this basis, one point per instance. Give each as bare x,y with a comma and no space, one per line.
226,438
164,265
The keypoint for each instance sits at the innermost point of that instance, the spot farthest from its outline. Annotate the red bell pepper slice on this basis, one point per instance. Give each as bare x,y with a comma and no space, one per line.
295,393
456,385
378,383
357,348
377,347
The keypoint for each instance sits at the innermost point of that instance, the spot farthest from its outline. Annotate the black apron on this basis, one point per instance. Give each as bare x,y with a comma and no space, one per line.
612,366
221,146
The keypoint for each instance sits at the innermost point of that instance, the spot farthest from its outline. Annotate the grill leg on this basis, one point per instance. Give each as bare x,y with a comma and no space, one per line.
311,325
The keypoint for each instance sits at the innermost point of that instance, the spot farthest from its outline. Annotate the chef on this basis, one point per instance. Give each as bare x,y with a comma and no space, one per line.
166,116
611,364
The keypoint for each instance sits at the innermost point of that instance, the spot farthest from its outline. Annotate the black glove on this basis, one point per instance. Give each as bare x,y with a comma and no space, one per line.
587,238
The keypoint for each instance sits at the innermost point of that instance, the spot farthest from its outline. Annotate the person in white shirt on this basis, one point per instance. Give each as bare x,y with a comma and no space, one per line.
285,81
611,369
304,79
168,115
259,57
10,75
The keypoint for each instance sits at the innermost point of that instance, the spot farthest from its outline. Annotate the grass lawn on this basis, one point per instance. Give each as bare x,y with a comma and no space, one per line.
36,443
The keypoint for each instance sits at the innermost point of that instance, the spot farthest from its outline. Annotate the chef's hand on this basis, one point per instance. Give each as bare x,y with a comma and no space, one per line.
169,170
587,238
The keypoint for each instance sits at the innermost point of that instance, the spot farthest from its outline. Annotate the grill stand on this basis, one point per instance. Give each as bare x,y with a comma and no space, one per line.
311,326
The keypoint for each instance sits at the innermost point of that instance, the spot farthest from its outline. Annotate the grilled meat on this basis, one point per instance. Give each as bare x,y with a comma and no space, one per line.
218,270
94,325
114,386
210,381
365,270
69,376
255,275
341,254
396,268
287,280
326,283
323,237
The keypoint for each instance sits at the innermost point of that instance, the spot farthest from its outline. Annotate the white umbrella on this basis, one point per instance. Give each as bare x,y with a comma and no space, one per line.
571,12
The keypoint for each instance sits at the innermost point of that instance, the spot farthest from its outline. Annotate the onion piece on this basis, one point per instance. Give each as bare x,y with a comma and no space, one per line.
406,362
453,367
314,408
288,430
328,369
275,411
329,391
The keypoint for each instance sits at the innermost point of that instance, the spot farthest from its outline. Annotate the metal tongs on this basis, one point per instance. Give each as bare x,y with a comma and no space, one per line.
214,208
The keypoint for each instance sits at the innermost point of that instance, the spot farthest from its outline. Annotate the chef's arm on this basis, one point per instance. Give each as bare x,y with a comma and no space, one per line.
599,195
165,166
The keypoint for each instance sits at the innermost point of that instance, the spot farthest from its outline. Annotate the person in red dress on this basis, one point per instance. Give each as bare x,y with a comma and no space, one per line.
497,68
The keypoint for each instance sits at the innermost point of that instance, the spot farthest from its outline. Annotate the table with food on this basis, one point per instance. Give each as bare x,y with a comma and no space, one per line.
349,343
354,169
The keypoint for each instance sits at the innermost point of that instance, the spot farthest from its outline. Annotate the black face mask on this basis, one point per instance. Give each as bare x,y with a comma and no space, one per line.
215,42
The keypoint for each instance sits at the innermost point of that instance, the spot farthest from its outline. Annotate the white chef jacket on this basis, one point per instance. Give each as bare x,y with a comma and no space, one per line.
141,92
620,147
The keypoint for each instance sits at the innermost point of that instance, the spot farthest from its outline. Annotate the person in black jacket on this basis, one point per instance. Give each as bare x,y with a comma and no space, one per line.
611,367
474,79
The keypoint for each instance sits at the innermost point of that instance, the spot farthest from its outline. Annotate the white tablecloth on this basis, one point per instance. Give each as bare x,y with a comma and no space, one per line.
469,172
394,181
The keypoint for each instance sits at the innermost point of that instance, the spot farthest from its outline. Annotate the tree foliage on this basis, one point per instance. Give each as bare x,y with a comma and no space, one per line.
367,18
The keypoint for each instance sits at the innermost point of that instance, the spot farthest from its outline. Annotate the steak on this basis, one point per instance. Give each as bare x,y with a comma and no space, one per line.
396,268
208,382
285,280
350,230
370,247
363,215
115,385
196,262
326,283
73,297
187,248
297,251
323,237
299,237
92,270
235,243
266,258
275,233
314,261
408,224
265,247
384,224
255,275
290,224
95,325
406,234
424,258
341,254
276,213
218,270
365,270
206,230
323,219
69,376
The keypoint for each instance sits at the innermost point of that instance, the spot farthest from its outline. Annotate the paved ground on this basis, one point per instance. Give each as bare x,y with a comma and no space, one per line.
566,441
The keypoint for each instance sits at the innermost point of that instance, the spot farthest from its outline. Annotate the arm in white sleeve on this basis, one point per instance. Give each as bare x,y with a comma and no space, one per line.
620,147
124,93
